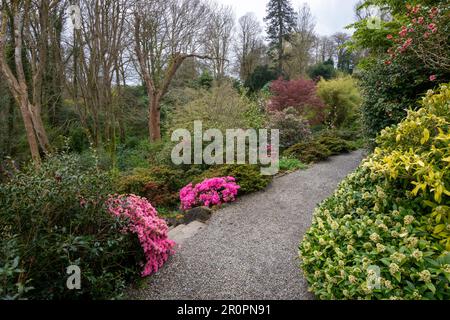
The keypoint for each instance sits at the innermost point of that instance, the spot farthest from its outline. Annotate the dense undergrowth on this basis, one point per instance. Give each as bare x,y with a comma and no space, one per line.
391,215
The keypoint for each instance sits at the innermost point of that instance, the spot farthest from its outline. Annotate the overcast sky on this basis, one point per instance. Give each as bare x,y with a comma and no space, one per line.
331,15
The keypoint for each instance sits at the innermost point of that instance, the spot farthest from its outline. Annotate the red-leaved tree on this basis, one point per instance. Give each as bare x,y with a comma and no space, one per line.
300,94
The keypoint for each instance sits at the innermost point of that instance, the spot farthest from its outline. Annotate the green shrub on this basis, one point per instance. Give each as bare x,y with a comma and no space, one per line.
324,70
342,100
259,78
392,213
290,164
335,144
160,185
11,287
308,152
293,127
390,90
220,108
56,212
248,177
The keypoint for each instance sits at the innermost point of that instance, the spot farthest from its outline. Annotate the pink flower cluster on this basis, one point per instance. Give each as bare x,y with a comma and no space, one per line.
417,33
142,219
210,192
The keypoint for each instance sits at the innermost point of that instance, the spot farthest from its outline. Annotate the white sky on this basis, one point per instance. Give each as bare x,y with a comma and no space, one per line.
331,15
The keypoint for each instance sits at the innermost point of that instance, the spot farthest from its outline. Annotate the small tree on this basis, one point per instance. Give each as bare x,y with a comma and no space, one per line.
342,100
300,94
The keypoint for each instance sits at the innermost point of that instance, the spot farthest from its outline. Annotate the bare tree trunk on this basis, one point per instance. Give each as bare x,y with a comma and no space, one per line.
154,118
17,85
39,128
31,136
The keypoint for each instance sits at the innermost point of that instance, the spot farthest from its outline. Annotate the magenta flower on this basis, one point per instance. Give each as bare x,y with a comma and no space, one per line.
210,192
142,220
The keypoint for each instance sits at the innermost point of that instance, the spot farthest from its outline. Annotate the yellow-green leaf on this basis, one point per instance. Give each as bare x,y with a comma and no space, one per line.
439,228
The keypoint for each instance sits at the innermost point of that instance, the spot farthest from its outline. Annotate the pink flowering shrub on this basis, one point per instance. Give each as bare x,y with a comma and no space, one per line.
142,219
425,35
210,192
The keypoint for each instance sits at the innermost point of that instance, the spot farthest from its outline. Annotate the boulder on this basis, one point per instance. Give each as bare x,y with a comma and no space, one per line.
201,214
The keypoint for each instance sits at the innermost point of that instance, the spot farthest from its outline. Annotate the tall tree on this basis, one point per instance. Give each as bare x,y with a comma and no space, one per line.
97,52
301,43
344,57
25,84
166,33
218,38
280,21
249,45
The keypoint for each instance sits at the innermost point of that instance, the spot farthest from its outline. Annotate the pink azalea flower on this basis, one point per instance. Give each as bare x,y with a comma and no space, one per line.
142,220
210,192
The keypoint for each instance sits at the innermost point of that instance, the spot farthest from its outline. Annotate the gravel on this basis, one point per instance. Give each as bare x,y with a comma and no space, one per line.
249,249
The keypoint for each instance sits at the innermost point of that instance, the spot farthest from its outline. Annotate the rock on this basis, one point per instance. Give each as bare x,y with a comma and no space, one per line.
183,232
197,214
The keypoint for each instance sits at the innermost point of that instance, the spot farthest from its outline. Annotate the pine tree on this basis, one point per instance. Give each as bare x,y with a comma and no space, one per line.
280,21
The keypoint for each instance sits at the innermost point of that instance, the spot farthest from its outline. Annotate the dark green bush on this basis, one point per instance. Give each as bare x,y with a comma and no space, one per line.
160,185
308,152
323,70
390,90
56,212
335,144
259,78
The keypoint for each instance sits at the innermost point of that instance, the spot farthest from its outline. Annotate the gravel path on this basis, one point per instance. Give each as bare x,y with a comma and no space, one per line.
249,249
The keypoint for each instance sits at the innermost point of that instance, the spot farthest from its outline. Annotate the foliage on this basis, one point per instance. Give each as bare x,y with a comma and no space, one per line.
299,94
205,80
392,213
291,164
308,152
334,143
367,223
260,77
280,19
342,100
220,108
10,270
159,184
293,128
208,193
133,154
393,15
248,177
390,90
323,70
425,36
417,153
57,214
142,219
